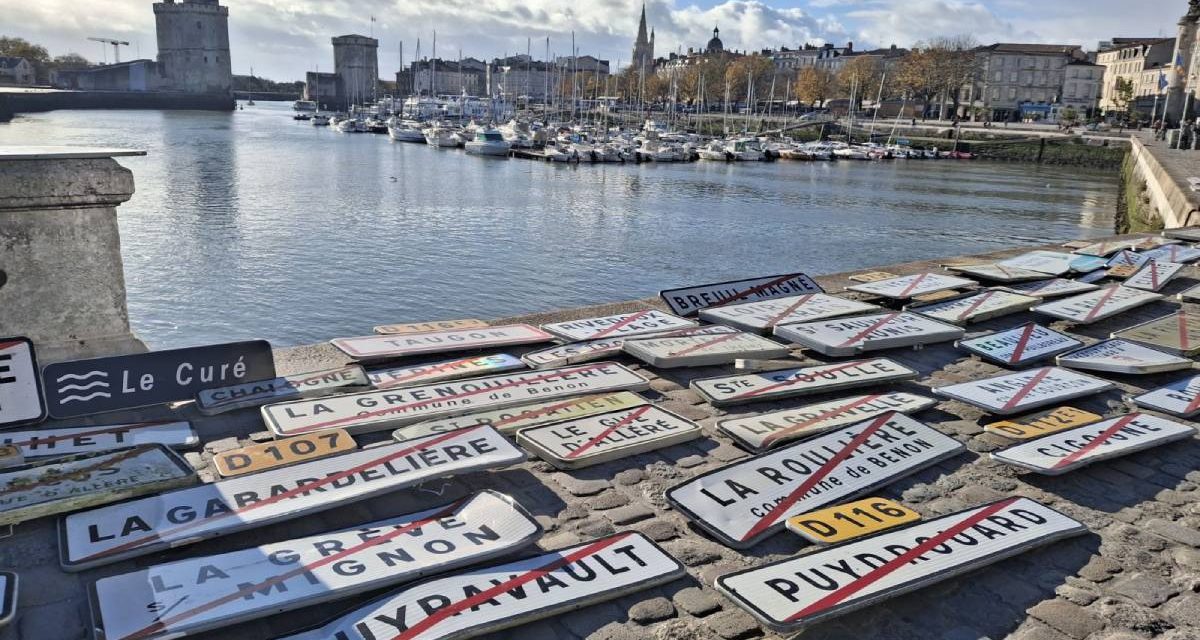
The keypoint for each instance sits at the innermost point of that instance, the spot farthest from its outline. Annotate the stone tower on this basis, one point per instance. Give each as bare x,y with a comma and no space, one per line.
643,47
193,46
356,63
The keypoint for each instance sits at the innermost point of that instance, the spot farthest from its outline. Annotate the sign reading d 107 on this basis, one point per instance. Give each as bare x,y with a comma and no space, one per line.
84,387
1015,393
689,301
20,386
1068,450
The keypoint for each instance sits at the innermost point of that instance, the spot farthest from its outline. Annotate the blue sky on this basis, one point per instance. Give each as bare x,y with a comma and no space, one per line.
282,39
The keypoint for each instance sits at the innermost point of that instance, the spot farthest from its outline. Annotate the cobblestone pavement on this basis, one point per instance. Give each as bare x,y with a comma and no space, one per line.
1136,575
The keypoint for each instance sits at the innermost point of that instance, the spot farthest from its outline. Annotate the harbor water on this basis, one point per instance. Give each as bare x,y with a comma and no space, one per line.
252,225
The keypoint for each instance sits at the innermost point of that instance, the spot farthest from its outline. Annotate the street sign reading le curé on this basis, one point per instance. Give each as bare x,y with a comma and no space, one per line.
688,301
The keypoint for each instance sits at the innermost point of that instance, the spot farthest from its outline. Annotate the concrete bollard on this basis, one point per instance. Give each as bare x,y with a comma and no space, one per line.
62,282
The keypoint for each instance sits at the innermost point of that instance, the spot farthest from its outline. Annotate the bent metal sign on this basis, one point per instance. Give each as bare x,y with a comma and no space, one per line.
212,402
386,347
140,527
787,383
689,301
764,431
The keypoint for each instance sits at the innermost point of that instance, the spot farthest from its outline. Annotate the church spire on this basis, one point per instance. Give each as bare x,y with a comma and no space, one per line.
641,37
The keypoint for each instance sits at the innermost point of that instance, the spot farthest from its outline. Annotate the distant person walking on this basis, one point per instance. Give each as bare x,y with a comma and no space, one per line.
1157,127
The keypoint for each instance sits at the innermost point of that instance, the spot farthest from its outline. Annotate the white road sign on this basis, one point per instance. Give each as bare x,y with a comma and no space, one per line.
140,527
1020,346
479,601
577,352
1052,263
509,421
189,596
860,334
378,410
1128,258
211,402
792,594
1054,288
743,503
20,384
386,347
584,442
1068,450
436,325
787,383
1155,275
1122,356
699,351
1097,305
765,431
8,596
1177,333
998,272
761,317
976,307
906,287
416,375
1104,249
1188,234
1174,253
689,301
1191,294
1180,398
618,326
1014,393
72,440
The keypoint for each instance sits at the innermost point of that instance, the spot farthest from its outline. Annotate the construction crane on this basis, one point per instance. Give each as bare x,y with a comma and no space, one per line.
116,45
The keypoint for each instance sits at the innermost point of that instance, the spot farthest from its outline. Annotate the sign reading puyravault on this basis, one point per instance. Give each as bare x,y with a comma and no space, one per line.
20,385
689,301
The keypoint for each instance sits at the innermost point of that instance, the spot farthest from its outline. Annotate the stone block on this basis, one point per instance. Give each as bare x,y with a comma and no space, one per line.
651,611
1144,589
1071,619
697,602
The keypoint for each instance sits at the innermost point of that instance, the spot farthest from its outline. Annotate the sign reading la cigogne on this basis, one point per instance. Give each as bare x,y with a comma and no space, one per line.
253,394
786,383
761,317
764,431
1068,450
618,326
689,301
386,347
509,421
139,527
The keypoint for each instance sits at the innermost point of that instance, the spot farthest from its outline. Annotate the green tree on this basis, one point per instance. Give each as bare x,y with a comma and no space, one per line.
36,54
70,61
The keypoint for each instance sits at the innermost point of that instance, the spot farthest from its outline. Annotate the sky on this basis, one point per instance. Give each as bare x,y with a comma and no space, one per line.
281,39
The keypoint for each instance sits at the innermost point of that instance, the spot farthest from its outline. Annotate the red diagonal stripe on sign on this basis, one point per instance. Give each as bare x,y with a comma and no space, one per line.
87,434
1033,382
810,377
547,410
306,488
871,329
1023,342
790,310
1185,342
1100,303
637,413
1100,439
753,290
1194,405
817,476
704,345
5,345
621,324
265,585
899,561
529,576
976,304
1154,275
825,415
913,285
417,374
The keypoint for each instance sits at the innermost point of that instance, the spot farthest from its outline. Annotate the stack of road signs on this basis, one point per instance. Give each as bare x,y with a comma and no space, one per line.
387,347
1053,288
42,443
689,301
792,594
1043,423
1154,275
1122,356
1128,259
302,385
584,442
1177,333
699,351
743,503
576,352
872,276
725,391
762,432
1174,253
1015,393
508,421
851,521
1187,234
1048,263
416,375
1104,249
1021,346
906,287
425,327
20,384
1153,242
1097,305
281,453
618,326
860,334
1069,450
998,273
762,317
1192,294
1180,398
976,307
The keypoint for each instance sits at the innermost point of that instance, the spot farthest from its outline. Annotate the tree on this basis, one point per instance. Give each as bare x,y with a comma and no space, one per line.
814,85
1068,117
747,71
861,76
36,54
70,61
956,65
1123,95
916,76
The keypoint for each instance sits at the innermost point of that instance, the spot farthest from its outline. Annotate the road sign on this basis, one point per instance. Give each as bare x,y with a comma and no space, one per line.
743,503
762,432
1180,398
1087,264
379,410
1052,288
1190,295
8,596
1015,393
1020,346
83,387
1097,276
792,594
1069,450
1151,243
1188,234
416,375
1097,305
577,352
873,276
1104,249
11,456
193,595
851,521
724,391
1122,356
1043,424
281,453
1128,259
689,301
1054,263
998,273
509,421
1174,253
761,317
487,599
860,334
700,351
211,402
72,440
424,327
584,442
1177,333
369,348
148,525
71,483
618,326
20,384
1121,271
907,287
1155,275
976,307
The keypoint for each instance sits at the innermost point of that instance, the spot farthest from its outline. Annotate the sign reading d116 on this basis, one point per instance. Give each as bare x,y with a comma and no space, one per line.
84,387
689,301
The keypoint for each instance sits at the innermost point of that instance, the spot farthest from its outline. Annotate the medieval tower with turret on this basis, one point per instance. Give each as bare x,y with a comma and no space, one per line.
193,46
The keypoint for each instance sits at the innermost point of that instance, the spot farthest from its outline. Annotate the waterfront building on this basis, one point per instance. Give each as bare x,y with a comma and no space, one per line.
1026,81
643,47
521,75
450,77
674,63
133,75
1083,82
15,71
795,59
193,47
1139,61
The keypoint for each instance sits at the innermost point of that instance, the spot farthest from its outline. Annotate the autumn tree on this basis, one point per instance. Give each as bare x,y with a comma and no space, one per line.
916,77
861,75
814,85
754,71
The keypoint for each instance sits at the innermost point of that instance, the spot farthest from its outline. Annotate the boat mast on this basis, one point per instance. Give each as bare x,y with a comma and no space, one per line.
878,99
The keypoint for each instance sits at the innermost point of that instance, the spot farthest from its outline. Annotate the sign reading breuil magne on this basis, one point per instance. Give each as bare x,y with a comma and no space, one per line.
850,336
906,287
622,325
761,317
416,375
280,453
302,385
764,431
699,351
424,327
386,347
378,410
20,385
577,352
976,307
1097,305
1122,356
1020,346
792,594
140,527
1015,393
1177,333
998,272
1180,398
1069,450
786,383
190,596
509,421
1042,424
83,387
1054,288
584,442
1155,275
743,503
69,440
688,301
487,599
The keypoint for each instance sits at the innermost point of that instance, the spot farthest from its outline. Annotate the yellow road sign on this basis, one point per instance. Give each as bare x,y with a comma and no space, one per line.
851,520
1043,424
269,455
873,276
